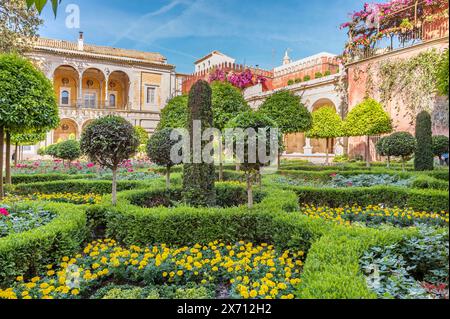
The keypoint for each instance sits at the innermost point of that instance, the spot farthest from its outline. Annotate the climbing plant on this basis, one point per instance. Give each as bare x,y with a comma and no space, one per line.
413,83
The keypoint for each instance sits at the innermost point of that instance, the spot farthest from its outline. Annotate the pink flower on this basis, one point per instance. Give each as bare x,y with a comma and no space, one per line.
4,212
90,165
333,175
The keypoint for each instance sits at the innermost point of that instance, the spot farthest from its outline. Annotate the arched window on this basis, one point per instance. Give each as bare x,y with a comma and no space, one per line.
65,96
112,100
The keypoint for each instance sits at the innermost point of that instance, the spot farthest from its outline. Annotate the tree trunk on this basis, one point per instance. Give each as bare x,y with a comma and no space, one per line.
403,165
114,186
220,161
260,177
368,151
168,177
8,158
16,155
388,162
249,190
327,158
2,135
279,160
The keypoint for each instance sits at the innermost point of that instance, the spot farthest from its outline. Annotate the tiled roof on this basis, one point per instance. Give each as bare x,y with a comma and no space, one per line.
88,49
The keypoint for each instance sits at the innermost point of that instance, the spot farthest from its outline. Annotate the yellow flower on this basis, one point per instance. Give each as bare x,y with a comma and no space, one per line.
75,292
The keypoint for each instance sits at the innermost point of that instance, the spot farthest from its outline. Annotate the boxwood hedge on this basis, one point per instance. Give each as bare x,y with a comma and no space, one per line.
29,252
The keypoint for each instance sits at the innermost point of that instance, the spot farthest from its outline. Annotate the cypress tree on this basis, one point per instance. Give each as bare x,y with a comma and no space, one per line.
424,160
198,178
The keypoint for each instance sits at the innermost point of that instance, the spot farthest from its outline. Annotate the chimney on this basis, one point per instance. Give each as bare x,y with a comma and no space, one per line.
81,42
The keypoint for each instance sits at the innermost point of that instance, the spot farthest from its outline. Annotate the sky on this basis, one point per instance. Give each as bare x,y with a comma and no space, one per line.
254,32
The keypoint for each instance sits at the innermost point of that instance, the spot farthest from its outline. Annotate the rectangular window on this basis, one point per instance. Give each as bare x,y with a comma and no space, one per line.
90,100
150,95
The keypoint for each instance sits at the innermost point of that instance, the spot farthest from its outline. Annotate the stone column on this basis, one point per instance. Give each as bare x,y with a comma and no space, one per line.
80,90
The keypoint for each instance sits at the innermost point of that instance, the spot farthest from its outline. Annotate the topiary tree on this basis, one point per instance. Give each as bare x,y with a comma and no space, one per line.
68,150
108,141
198,175
175,114
27,102
159,148
290,115
367,119
252,120
424,160
227,103
440,146
382,150
52,150
400,144
327,124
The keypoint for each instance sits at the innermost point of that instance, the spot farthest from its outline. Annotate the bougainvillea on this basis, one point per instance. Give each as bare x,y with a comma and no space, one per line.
240,80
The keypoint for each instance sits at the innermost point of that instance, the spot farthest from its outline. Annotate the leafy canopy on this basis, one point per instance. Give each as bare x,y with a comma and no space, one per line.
159,148
440,145
27,98
326,124
227,103
253,120
68,150
25,139
40,4
288,112
366,119
401,144
109,141
19,26
174,115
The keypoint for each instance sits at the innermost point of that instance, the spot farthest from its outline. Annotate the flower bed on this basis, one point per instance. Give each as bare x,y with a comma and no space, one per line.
376,216
241,270
28,252
21,217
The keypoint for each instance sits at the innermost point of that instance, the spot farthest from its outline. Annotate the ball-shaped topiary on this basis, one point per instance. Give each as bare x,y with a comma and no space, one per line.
68,150
252,163
424,160
159,150
400,144
109,141
440,145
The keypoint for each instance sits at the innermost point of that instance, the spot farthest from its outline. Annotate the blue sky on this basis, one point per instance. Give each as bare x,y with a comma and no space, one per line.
255,32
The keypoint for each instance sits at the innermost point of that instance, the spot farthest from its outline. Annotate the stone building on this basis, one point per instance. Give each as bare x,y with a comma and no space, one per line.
91,81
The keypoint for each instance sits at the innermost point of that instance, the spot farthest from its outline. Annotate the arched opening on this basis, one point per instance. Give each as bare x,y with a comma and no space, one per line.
68,129
93,88
65,82
118,90
319,146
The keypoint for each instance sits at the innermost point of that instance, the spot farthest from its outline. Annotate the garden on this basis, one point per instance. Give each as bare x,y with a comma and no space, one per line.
94,220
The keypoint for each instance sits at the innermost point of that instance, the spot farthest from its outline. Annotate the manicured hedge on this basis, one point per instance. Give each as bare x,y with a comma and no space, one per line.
421,200
76,186
427,182
34,178
186,225
29,252
332,268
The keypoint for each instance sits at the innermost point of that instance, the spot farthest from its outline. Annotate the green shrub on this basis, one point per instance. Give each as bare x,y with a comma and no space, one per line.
318,75
74,186
421,200
26,178
428,182
440,145
198,178
290,82
424,159
332,269
28,253
68,150
306,78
